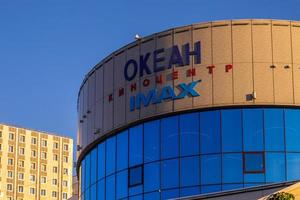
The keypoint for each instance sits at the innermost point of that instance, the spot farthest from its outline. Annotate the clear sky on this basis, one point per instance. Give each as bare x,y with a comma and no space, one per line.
47,46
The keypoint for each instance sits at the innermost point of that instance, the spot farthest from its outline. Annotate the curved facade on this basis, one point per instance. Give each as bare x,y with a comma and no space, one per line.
196,109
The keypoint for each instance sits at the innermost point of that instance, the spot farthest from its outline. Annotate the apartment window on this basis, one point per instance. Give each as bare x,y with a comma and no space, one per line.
55,169
21,163
32,191
43,179
22,138
33,153
11,136
21,189
44,143
21,176
32,178
9,187
54,194
65,159
55,145
54,181
66,147
65,195
21,151
11,149
32,165
66,171
33,140
44,155
55,157
43,192
44,168
10,174
10,161
65,183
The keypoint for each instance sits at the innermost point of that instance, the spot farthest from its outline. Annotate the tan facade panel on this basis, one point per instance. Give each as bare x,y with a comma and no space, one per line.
107,114
243,82
151,108
108,77
296,80
99,84
99,116
91,91
119,63
295,38
283,84
281,38
119,106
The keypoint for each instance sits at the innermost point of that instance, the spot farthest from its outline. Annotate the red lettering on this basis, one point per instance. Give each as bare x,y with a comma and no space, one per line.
121,92
133,87
228,67
175,75
146,82
158,79
210,69
110,97
191,72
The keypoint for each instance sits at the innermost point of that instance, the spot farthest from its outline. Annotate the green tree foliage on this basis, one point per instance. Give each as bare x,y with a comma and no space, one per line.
281,196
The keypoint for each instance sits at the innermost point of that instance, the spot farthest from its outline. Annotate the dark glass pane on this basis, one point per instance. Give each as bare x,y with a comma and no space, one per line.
253,129
122,150
254,162
292,128
101,190
101,160
210,132
275,167
152,141
135,176
87,171
232,168
189,171
293,163
170,173
122,184
274,130
151,176
94,166
169,134
210,169
110,188
136,145
189,134
110,155
170,194
232,130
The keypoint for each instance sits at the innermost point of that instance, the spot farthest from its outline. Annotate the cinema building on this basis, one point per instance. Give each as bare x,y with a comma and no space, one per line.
204,108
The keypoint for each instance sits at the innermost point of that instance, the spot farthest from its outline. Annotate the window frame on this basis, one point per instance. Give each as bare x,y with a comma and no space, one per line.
254,171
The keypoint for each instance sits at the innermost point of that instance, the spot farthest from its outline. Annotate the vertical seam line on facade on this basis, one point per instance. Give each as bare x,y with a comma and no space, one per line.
212,62
252,57
264,144
292,62
232,71
221,149
272,53
285,151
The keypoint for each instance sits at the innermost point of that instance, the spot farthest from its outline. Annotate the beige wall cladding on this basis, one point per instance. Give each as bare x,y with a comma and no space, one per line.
262,58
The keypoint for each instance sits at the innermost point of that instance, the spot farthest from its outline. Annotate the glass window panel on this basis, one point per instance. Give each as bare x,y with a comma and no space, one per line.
122,151
293,163
101,190
189,191
210,169
138,197
275,167
253,129
292,123
189,171
83,175
170,173
136,145
189,134
274,130
152,141
210,188
232,130
151,176
232,168
94,166
210,132
135,176
94,192
232,186
254,162
170,194
251,184
254,178
135,190
110,188
101,160
169,134
152,196
87,194
87,171
122,187
110,155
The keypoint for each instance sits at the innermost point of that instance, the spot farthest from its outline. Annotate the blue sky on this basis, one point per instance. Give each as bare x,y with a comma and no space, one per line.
47,46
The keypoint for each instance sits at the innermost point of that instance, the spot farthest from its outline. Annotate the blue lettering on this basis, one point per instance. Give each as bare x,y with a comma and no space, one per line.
175,57
157,59
196,53
167,93
144,65
188,90
145,100
135,68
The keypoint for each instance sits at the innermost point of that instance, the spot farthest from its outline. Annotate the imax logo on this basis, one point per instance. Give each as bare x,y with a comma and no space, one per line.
165,94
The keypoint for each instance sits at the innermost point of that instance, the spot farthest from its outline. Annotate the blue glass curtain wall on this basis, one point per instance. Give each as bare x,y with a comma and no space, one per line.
195,153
